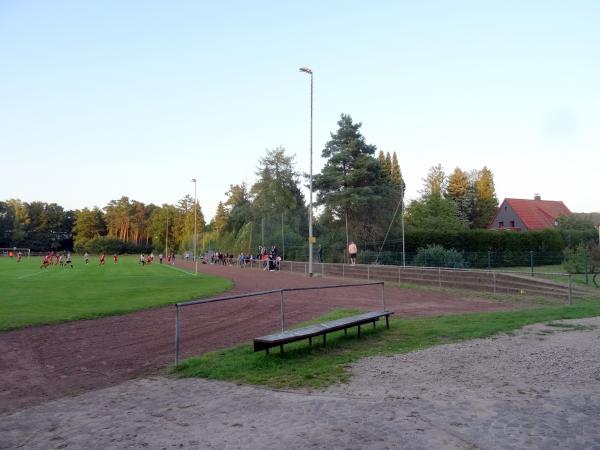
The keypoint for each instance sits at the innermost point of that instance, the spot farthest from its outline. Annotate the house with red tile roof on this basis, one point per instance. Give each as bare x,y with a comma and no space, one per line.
518,214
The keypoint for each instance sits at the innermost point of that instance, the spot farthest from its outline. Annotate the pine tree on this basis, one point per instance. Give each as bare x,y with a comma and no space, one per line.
435,182
220,219
387,167
486,202
397,179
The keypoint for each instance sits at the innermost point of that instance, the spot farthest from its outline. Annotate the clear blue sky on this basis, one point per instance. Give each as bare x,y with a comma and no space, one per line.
111,98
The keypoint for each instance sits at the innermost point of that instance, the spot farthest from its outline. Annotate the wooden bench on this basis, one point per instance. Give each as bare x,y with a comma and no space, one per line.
320,329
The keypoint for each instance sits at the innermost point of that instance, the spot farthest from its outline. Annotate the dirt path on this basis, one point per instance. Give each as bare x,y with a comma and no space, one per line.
41,363
536,389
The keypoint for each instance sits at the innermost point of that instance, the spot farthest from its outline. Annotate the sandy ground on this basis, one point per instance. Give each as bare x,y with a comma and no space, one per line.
537,389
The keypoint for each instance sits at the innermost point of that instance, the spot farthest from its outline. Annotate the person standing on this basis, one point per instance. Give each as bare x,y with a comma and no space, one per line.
352,251
86,258
69,260
102,258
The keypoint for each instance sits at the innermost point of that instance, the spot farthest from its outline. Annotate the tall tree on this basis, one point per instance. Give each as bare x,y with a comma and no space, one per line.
397,179
89,224
276,189
485,198
435,182
461,191
220,219
351,183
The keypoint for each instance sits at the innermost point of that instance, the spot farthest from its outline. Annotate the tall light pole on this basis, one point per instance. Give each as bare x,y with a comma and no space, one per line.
310,208
195,233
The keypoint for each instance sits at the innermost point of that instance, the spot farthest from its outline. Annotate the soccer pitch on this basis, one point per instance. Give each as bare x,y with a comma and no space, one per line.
33,296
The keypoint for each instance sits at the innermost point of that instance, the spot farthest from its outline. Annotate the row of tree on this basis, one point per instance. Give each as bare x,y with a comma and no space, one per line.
48,226
359,197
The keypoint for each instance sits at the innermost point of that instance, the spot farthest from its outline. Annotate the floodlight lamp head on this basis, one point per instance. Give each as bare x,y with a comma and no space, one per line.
305,70
193,180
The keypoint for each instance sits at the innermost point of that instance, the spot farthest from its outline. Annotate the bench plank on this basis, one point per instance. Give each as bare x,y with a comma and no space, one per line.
279,339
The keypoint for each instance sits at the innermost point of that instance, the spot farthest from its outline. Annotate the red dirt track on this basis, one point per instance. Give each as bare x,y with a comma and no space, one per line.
41,363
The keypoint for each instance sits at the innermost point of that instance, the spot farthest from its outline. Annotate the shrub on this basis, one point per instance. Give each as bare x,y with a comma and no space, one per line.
575,259
438,256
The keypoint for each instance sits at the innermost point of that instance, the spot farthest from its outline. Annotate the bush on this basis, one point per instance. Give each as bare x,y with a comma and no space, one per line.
438,256
576,258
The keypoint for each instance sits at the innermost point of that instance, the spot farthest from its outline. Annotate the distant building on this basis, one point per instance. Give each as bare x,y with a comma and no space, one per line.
522,215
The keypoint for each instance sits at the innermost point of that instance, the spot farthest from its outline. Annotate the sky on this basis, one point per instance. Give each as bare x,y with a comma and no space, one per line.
100,100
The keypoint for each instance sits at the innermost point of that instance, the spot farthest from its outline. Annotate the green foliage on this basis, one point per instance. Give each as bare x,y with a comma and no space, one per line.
438,256
433,214
581,222
576,259
352,185
434,185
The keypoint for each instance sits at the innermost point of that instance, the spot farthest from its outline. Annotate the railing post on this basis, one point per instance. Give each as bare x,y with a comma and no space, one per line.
494,273
570,289
177,336
585,261
399,275
343,271
440,276
282,305
531,261
369,273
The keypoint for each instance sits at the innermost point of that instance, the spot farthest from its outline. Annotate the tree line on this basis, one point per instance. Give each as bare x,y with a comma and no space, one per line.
359,196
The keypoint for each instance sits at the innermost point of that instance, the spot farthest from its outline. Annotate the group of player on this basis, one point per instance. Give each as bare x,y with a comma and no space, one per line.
55,259
149,259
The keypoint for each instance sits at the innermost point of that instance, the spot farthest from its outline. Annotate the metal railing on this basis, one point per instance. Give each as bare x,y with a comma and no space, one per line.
181,305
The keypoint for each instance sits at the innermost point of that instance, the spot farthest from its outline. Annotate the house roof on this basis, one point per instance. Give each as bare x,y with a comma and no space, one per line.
538,214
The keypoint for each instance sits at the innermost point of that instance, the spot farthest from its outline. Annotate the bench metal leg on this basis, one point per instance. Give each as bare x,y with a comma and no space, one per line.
281,348
374,324
324,340
359,331
387,322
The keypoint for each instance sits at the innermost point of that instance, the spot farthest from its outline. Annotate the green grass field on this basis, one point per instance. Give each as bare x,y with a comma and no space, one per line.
33,296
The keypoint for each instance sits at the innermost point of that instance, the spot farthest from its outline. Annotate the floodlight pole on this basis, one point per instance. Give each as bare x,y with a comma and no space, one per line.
195,233
402,221
310,208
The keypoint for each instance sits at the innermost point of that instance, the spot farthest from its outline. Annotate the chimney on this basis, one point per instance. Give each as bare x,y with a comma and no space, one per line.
537,197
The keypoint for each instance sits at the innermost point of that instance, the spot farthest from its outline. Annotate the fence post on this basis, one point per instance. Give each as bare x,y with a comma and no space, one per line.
282,306
369,273
322,270
489,259
399,276
440,276
585,263
531,261
494,273
343,271
570,289
382,296
177,336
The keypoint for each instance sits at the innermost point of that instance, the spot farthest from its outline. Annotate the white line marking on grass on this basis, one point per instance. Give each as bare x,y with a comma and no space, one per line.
176,268
32,274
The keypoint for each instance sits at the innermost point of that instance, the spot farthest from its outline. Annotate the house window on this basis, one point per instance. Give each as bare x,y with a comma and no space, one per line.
500,224
512,223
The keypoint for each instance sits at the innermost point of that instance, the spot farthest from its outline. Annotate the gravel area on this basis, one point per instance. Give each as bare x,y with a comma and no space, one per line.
539,388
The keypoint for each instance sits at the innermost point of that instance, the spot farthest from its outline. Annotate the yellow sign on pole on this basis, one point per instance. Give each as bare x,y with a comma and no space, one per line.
312,239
